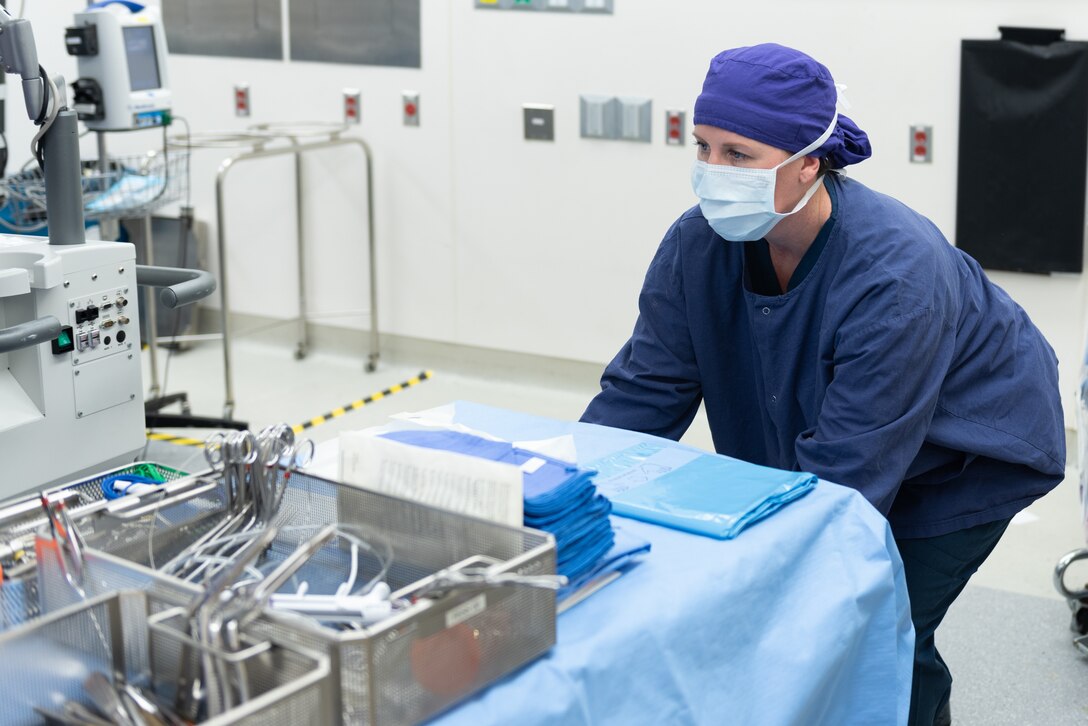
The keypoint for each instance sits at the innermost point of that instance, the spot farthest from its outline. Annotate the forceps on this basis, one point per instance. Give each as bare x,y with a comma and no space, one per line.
68,540
228,454
300,455
249,467
273,443
221,628
295,457
278,447
199,613
231,455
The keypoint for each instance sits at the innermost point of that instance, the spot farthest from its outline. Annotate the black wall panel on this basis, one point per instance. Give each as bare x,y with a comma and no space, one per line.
1023,146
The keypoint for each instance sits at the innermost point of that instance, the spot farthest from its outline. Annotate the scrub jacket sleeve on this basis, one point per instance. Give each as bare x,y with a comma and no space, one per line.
652,385
875,414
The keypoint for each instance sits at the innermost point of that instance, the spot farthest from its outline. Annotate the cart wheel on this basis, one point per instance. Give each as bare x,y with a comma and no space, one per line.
1080,620
1059,577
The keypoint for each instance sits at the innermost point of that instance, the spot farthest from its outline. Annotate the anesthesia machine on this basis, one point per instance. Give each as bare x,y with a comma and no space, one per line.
70,376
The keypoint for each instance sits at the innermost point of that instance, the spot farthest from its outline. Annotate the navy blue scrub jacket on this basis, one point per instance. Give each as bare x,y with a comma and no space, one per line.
894,366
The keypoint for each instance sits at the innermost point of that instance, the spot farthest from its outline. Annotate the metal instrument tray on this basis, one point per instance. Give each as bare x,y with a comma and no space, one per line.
115,634
424,658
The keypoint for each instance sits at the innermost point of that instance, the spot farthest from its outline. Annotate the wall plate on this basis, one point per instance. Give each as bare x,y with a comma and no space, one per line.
539,121
410,107
353,106
241,100
675,127
595,6
634,119
598,117
921,144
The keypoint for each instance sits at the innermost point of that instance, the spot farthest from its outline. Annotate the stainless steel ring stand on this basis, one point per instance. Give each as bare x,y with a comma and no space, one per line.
263,135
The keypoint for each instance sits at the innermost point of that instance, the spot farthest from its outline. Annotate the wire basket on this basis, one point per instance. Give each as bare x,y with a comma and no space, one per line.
128,186
20,518
19,602
129,635
413,665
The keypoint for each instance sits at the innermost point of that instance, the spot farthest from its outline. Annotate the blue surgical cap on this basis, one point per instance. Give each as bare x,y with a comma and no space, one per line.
779,96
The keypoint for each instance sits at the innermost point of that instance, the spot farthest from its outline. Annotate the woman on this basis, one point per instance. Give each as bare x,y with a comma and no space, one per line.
831,329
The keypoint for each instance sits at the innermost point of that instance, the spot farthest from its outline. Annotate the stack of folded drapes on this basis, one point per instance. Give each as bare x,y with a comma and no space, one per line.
560,498
710,494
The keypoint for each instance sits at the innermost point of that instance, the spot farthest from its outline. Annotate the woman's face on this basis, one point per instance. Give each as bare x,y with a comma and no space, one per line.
725,148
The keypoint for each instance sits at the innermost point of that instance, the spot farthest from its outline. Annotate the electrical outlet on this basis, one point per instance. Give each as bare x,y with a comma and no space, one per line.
921,144
353,106
675,127
241,100
410,105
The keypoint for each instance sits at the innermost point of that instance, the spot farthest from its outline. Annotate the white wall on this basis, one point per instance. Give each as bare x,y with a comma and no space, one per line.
488,240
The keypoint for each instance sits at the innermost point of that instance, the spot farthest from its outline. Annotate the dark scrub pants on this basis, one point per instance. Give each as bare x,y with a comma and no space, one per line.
937,569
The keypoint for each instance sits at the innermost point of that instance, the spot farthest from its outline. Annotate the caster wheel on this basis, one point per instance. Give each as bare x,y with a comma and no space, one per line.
1080,620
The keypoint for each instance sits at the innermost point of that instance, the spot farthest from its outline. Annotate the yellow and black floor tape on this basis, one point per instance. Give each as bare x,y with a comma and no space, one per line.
171,439
316,420
338,412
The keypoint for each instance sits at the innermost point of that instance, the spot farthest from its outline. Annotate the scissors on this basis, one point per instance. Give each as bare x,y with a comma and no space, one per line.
299,455
230,454
222,449
279,448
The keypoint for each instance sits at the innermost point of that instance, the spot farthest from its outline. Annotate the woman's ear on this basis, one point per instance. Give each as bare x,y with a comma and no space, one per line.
810,169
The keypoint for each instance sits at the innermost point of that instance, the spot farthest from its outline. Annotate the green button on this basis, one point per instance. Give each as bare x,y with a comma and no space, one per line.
63,338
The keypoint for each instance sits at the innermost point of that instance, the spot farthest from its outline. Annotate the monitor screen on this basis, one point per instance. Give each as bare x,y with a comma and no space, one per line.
143,64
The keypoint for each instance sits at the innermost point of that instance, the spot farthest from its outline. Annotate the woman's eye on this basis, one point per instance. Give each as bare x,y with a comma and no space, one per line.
737,156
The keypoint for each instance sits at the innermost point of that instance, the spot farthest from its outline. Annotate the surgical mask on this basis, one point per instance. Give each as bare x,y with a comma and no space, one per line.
738,202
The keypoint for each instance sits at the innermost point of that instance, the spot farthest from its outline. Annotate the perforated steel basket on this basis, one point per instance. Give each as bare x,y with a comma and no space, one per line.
21,517
421,660
18,601
47,660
